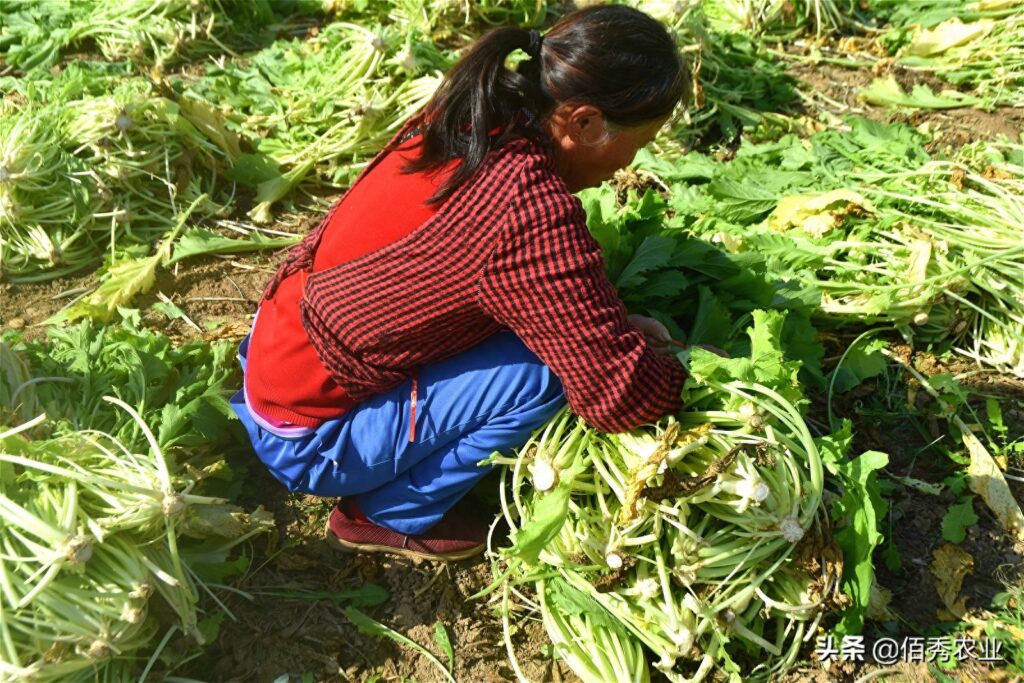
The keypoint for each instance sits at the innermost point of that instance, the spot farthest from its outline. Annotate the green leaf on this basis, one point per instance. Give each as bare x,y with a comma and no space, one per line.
766,365
209,626
370,627
995,415
546,519
221,570
649,206
664,283
958,519
691,167
120,285
712,323
862,361
952,393
210,122
653,253
568,599
786,255
857,512
800,343
891,556
886,92
602,217
835,446
169,309
203,242
742,201
275,188
957,482
222,520
444,643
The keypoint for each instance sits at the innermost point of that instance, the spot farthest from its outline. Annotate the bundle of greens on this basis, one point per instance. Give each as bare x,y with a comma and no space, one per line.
443,21
92,531
318,108
85,174
34,32
180,389
867,228
931,12
702,292
781,19
737,84
77,80
160,32
969,220
699,543
111,532
170,31
971,45
147,153
44,201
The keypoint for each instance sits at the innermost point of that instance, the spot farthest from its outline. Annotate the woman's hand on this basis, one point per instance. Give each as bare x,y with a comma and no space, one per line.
656,334
659,338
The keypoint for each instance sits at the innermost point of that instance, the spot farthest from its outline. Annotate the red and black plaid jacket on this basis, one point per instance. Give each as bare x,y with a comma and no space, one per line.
510,248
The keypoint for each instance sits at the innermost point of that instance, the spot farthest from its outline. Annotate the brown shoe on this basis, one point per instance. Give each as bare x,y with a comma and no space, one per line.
455,537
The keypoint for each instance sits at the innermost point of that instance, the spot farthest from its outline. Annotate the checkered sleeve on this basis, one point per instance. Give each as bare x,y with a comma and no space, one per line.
545,280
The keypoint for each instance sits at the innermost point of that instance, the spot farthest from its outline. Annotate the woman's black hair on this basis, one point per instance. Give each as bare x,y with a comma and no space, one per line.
613,57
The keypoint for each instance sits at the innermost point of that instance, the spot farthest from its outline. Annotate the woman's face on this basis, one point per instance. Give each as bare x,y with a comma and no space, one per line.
589,151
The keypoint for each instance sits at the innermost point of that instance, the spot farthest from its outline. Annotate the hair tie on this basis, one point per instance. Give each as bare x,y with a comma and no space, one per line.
533,49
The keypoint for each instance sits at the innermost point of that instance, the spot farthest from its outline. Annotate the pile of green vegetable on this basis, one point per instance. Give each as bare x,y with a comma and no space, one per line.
35,33
112,532
627,540
314,109
782,19
83,173
977,46
930,54
124,153
698,544
721,539
94,536
858,227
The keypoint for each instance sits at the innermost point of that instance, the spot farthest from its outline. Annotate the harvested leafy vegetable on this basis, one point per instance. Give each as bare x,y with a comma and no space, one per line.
868,228
103,514
92,532
82,176
697,544
973,46
317,108
180,389
159,32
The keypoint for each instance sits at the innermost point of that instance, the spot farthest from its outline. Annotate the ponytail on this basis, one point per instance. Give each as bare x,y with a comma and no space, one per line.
476,108
613,57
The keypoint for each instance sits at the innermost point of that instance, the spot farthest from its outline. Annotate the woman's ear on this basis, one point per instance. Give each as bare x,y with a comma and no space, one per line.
584,124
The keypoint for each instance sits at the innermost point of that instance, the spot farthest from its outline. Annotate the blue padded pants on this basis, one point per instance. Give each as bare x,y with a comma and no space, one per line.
489,398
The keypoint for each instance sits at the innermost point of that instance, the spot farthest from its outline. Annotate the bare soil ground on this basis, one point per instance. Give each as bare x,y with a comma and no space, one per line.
277,635
836,89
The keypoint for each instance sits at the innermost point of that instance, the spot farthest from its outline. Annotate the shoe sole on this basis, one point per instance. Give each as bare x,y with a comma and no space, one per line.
349,547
